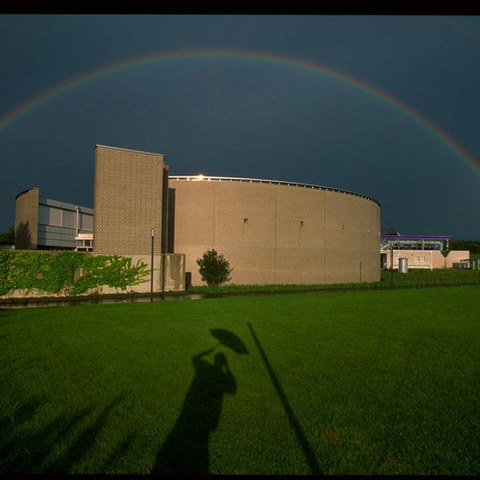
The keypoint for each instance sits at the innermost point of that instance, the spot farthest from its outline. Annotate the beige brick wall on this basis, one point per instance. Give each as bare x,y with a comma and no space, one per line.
455,256
338,240
427,259
128,198
352,238
26,219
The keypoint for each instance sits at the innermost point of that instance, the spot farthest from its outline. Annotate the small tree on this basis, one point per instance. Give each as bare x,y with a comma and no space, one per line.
214,269
445,251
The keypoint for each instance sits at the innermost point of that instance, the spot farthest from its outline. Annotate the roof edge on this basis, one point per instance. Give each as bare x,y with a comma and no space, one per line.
130,150
207,178
27,190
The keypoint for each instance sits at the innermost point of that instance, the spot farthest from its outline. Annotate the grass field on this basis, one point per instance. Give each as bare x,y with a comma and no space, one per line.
373,382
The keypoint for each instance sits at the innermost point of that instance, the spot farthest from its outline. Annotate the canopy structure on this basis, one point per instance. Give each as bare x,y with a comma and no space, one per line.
414,242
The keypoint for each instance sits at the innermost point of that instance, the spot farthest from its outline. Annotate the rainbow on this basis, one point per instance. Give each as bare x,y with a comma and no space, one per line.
264,57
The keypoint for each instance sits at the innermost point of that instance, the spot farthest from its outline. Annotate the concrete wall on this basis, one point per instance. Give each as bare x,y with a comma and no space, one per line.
174,270
128,201
454,258
26,219
277,233
174,279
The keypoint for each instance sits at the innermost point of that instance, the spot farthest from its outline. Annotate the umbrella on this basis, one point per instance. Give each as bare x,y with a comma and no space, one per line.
229,339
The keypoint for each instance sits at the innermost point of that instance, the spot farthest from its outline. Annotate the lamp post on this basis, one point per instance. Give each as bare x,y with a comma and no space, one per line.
151,268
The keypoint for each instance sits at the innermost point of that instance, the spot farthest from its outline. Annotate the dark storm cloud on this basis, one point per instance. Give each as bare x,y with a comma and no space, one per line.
238,117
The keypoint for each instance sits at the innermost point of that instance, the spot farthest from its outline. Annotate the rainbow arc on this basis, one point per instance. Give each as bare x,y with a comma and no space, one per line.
246,55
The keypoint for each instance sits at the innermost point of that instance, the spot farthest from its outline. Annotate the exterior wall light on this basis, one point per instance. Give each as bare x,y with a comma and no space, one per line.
301,223
245,221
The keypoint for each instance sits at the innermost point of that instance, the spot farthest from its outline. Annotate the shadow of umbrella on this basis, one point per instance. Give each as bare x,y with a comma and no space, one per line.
229,339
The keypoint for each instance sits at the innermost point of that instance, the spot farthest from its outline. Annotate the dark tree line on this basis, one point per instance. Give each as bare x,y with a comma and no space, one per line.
8,237
472,245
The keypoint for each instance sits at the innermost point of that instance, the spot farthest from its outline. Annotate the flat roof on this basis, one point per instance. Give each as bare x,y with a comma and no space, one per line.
416,237
57,203
208,178
65,205
131,150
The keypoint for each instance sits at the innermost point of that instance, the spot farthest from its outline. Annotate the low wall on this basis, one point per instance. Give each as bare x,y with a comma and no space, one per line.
428,259
172,269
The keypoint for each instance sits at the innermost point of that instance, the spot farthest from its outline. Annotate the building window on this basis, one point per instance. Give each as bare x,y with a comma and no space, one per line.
55,217
68,219
86,222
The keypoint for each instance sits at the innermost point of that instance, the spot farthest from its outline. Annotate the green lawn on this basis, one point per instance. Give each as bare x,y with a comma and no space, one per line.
373,382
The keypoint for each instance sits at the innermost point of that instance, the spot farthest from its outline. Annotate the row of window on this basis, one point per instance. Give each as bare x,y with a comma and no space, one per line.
58,217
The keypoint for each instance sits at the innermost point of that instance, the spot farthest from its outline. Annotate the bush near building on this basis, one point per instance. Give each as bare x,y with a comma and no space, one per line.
214,269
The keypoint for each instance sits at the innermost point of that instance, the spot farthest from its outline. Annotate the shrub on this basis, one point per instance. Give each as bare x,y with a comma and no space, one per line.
214,269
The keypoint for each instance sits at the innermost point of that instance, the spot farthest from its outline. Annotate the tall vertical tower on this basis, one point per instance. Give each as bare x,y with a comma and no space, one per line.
26,219
130,199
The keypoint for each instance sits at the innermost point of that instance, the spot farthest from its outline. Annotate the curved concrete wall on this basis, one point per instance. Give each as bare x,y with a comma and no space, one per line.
277,233
26,219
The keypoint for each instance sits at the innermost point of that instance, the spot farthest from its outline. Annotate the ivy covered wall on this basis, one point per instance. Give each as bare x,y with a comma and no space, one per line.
71,273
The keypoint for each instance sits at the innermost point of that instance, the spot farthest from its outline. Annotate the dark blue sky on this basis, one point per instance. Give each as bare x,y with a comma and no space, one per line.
240,117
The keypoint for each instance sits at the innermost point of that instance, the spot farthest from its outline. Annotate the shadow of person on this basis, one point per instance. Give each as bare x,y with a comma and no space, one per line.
185,450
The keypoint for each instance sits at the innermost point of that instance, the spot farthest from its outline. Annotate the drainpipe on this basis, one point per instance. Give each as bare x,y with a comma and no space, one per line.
77,224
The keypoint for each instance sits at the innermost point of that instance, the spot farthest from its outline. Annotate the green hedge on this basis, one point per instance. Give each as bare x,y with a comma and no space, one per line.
72,272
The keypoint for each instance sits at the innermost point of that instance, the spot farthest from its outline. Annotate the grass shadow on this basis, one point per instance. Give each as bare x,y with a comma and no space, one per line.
25,451
10,424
